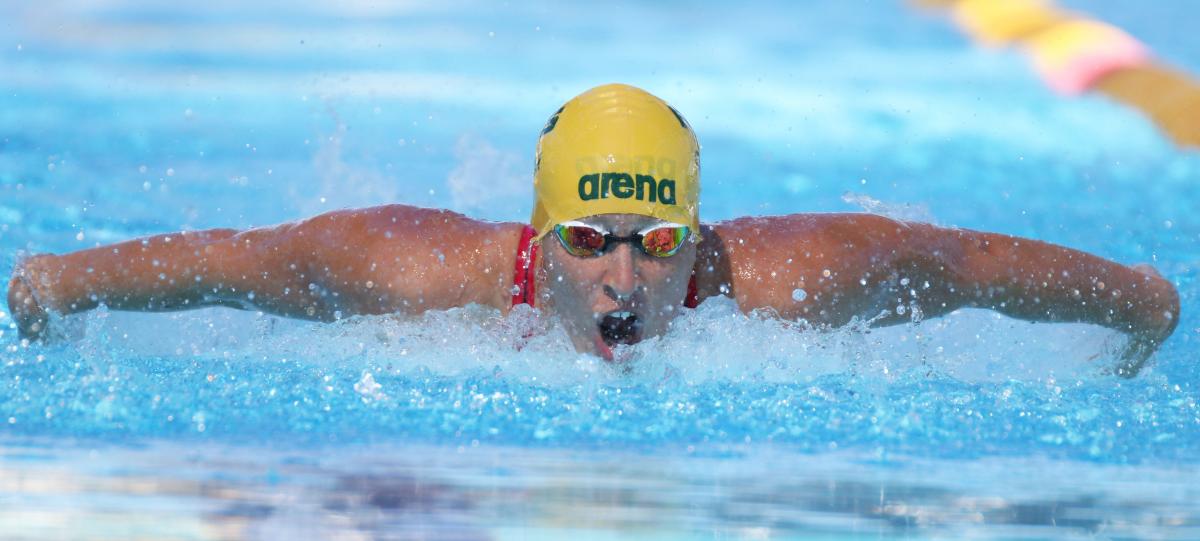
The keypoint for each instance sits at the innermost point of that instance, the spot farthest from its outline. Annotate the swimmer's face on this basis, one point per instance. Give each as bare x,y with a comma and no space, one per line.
622,296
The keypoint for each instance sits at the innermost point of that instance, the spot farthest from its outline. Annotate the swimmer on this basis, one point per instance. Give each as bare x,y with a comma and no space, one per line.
614,250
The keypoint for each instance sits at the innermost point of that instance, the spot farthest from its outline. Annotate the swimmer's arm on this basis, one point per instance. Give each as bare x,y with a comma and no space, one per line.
830,268
163,272
386,259
397,258
1039,281
826,269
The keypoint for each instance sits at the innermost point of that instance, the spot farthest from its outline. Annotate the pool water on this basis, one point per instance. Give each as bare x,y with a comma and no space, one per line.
124,118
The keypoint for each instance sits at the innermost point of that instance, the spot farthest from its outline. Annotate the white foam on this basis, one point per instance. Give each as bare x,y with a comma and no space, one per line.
713,343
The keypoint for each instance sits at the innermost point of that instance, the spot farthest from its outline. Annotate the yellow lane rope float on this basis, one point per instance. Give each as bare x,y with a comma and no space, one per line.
1074,54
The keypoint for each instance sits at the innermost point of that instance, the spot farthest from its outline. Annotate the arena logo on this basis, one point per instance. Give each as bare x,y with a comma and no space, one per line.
624,186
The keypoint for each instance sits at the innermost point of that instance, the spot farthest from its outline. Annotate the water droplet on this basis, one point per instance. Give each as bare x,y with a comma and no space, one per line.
799,294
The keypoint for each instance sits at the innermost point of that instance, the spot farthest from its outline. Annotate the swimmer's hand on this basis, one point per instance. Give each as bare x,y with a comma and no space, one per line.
31,318
1159,318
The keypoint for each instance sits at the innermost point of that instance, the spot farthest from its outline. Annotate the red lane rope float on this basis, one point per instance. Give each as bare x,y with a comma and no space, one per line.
1074,54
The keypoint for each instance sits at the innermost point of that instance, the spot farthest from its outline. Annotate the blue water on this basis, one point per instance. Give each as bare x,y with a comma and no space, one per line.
126,118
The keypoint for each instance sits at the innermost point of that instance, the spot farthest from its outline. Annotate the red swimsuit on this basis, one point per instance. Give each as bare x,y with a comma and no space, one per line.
523,276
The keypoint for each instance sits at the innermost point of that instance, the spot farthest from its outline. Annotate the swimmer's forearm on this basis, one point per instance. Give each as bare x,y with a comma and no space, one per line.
1038,281
163,272
257,269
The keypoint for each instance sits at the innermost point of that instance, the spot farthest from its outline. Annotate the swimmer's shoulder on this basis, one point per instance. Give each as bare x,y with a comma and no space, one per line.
753,234
405,226
450,256
742,250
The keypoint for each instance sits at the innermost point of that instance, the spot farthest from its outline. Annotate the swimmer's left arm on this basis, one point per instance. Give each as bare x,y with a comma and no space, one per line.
830,268
1039,281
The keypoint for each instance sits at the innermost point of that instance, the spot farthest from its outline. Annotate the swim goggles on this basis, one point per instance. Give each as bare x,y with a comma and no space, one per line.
584,240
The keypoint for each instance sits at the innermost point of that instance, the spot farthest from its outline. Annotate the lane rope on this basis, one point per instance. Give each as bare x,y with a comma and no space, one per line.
1074,54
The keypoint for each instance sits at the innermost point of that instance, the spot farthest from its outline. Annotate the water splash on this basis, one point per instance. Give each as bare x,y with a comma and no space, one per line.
905,212
487,181
971,383
713,343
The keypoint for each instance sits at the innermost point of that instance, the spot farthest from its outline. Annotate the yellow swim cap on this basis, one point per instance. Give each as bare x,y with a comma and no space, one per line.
616,149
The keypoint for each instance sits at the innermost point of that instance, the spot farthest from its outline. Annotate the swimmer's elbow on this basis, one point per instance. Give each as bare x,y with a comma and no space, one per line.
933,270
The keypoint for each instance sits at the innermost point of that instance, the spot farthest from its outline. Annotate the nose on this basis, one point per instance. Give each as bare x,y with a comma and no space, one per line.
620,278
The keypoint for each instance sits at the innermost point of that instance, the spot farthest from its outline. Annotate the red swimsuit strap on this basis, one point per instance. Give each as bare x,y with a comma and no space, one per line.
693,295
523,274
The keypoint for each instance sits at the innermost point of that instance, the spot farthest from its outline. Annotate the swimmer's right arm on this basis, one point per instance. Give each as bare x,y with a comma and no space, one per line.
379,260
163,272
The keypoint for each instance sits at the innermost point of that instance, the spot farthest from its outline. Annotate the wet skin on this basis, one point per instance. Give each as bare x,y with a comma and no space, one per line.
397,258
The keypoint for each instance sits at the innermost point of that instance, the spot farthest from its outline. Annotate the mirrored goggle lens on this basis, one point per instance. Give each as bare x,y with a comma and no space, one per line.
664,241
580,240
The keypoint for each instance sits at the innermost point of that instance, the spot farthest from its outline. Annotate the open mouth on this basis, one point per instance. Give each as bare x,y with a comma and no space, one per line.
620,327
